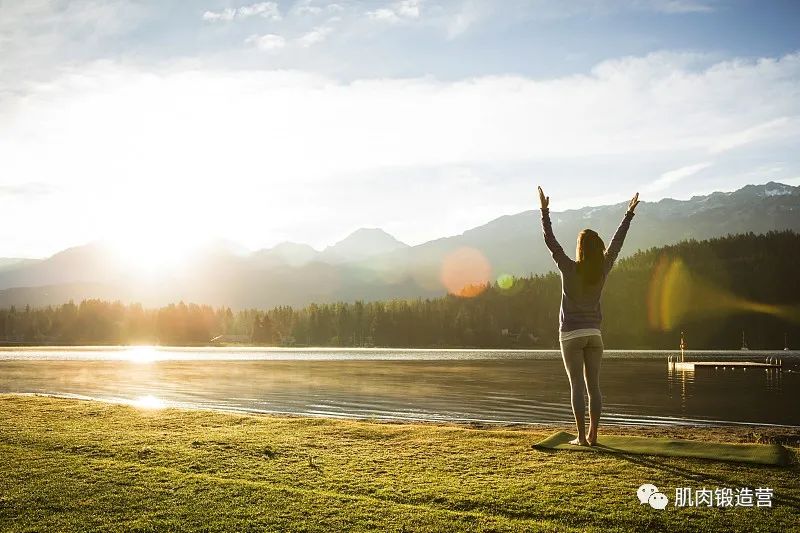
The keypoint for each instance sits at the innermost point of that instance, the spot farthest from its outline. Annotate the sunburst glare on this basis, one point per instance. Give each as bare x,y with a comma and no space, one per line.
141,354
148,402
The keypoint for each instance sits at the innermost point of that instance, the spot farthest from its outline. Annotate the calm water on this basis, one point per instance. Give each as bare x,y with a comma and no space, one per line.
463,385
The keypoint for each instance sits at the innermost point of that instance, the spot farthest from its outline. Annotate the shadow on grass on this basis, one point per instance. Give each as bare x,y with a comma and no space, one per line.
697,474
700,474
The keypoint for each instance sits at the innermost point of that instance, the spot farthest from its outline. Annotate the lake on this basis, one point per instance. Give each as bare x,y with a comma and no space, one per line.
434,385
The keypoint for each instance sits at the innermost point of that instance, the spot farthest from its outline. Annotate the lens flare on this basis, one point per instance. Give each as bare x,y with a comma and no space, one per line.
668,294
675,295
465,272
505,281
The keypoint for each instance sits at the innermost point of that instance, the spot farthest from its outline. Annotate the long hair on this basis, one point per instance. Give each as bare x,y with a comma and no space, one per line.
590,256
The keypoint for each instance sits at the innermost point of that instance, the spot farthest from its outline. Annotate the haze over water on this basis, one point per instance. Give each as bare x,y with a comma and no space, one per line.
442,385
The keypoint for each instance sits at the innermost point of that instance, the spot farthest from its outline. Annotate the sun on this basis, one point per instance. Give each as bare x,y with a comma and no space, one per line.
153,252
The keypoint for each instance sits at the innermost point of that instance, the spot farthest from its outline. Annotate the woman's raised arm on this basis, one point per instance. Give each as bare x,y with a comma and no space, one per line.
619,236
561,259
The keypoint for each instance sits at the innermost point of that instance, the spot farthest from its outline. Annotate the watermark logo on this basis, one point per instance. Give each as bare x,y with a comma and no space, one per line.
705,497
648,493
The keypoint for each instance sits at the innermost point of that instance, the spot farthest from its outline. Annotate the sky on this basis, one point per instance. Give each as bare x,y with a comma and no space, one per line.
173,122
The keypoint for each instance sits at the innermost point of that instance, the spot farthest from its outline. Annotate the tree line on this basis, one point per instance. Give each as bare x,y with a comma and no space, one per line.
711,290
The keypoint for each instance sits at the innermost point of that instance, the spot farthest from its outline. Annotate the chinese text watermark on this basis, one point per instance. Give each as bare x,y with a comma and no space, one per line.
706,497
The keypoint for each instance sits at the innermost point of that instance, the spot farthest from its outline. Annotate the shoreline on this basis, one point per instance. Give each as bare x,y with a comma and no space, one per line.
255,347
739,432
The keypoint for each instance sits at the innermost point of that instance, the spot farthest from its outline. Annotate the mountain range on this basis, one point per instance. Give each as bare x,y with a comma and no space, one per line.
370,264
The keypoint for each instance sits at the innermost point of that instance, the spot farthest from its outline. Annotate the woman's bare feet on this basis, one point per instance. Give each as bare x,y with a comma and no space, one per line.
592,437
579,442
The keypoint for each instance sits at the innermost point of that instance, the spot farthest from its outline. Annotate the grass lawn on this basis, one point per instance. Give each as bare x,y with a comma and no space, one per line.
71,465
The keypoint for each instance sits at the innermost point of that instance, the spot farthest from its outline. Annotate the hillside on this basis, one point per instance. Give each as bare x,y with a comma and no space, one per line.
713,290
372,265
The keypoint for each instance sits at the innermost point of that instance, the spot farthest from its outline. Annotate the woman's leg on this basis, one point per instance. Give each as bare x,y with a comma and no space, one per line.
572,353
592,356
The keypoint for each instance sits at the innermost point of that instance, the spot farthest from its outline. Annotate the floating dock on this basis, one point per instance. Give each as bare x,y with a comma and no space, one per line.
694,365
679,362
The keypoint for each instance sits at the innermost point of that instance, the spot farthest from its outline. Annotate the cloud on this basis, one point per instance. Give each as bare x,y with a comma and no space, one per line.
310,7
408,8
452,18
267,10
656,103
680,6
296,146
384,14
36,36
272,42
457,17
752,134
268,43
669,178
315,36
308,10
396,12
227,15
463,19
30,189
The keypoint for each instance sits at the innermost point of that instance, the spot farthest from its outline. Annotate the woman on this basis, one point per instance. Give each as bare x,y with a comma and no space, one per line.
580,317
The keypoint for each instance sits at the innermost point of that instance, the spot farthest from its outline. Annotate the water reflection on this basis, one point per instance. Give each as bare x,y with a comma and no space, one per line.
141,354
752,394
469,386
149,402
678,379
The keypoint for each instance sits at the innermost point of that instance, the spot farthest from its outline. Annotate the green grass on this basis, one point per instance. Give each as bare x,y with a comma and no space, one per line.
70,465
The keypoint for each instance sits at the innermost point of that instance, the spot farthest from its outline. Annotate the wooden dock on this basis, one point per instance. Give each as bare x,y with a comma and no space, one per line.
695,365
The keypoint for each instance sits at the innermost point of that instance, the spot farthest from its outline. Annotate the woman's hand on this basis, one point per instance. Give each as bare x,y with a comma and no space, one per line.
545,200
631,205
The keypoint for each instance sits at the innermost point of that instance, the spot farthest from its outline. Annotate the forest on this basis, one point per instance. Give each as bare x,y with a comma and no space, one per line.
715,291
